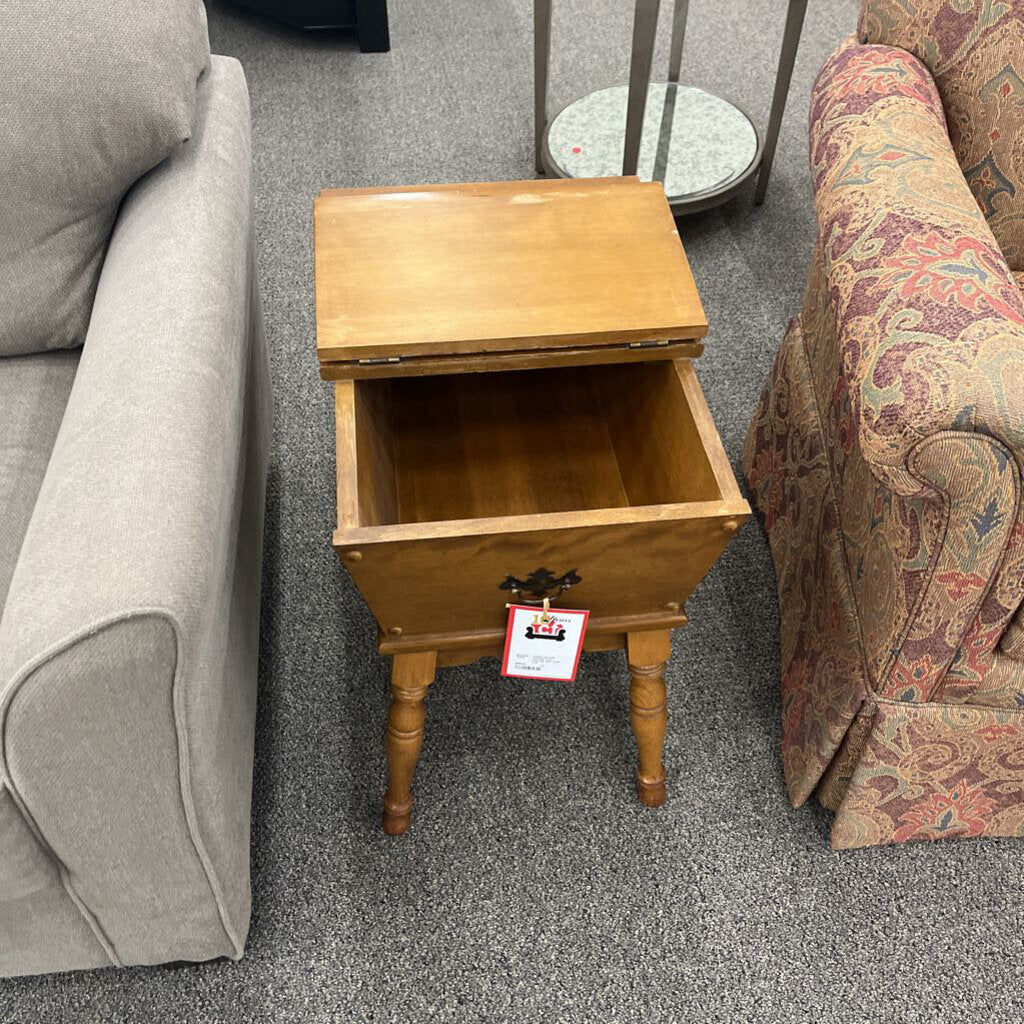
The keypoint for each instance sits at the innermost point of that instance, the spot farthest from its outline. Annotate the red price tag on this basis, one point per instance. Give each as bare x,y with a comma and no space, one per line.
543,644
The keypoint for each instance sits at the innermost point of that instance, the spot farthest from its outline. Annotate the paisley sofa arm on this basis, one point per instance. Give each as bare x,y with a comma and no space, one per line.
929,320
924,351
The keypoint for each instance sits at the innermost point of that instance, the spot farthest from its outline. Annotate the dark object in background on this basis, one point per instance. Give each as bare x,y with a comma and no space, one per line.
369,18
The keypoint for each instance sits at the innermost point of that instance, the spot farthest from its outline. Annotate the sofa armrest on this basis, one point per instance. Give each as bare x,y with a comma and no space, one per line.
929,320
927,378
128,642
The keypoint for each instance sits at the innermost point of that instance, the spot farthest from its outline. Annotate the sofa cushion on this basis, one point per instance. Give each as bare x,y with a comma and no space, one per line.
105,91
33,393
975,52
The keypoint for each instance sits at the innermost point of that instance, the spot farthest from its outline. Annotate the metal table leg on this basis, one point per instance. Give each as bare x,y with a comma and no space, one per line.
668,113
675,57
790,42
645,24
645,28
541,62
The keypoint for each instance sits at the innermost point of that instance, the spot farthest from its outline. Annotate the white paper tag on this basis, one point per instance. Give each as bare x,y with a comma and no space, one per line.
539,649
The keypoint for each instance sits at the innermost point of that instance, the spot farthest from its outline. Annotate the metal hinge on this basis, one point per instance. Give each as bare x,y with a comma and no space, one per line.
657,343
380,360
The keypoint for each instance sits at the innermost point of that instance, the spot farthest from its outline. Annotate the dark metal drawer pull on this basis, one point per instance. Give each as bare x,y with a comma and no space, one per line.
539,585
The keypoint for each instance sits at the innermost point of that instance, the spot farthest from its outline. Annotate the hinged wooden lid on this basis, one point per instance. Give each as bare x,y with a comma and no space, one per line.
507,269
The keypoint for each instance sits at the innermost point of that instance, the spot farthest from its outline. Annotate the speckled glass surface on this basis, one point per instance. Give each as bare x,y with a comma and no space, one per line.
692,141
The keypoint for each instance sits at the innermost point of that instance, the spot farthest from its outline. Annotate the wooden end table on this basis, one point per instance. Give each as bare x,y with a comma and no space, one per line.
517,414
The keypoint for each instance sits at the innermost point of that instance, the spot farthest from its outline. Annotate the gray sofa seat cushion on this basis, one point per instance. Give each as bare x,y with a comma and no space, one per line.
33,393
97,92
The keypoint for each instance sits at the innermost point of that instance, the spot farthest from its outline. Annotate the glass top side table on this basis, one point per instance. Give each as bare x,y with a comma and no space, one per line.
700,146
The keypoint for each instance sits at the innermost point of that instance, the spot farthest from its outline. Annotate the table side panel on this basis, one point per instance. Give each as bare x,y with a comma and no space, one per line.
375,456
661,449
710,440
346,458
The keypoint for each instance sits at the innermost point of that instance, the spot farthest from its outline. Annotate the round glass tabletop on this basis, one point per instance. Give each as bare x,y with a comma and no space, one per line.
692,141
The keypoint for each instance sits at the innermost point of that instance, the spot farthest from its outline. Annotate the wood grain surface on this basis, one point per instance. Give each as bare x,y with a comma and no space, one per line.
498,267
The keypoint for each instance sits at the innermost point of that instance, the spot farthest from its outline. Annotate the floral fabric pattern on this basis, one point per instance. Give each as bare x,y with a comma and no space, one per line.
884,457
974,50
823,678
934,772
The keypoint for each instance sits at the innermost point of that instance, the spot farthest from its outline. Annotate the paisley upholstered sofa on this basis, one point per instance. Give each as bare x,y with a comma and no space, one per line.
885,455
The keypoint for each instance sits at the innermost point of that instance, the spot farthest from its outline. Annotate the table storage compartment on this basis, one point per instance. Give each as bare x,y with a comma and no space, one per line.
449,484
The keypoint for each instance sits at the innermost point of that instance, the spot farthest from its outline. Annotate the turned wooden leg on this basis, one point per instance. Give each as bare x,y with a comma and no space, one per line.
411,676
647,654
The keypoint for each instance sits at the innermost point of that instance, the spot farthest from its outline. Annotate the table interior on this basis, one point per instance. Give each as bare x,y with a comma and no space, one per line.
517,443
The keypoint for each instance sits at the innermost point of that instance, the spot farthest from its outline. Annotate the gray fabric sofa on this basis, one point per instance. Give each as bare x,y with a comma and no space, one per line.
132,479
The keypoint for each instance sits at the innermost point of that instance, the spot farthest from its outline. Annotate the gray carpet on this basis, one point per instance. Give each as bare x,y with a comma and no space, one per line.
532,886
